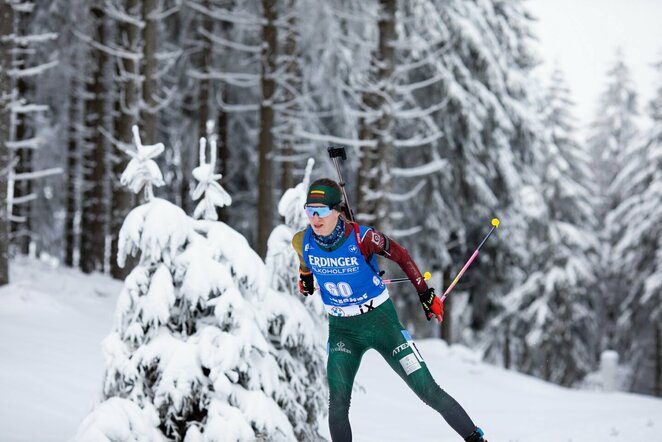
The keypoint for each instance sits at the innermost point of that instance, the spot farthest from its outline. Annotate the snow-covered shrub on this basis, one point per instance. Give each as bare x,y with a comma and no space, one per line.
195,350
304,360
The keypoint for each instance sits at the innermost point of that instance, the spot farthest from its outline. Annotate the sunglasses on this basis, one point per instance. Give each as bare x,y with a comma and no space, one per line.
321,211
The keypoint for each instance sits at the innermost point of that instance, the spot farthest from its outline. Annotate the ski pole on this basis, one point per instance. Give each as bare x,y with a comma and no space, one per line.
335,153
495,224
426,276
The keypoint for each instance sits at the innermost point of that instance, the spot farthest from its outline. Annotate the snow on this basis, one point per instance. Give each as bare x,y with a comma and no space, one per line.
510,407
126,428
37,174
212,193
53,321
437,165
330,139
144,230
32,71
142,171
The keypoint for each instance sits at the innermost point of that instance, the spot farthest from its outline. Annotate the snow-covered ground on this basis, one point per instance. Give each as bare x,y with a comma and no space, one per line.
52,321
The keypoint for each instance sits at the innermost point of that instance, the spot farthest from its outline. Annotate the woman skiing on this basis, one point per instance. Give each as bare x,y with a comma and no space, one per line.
340,254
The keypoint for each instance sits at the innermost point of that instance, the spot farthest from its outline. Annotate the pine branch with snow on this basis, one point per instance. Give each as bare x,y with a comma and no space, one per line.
211,192
142,171
551,312
635,229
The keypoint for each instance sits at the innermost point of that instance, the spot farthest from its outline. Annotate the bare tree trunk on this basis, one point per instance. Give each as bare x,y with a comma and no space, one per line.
21,229
266,138
126,111
122,201
93,229
22,188
376,178
73,168
364,206
6,28
222,147
150,65
203,109
293,80
205,63
185,183
385,131
222,153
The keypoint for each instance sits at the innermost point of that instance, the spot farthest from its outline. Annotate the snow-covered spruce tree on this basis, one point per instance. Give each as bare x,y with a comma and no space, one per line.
194,338
636,224
380,99
306,364
125,18
474,82
368,65
459,116
300,359
494,136
549,326
613,131
613,138
96,221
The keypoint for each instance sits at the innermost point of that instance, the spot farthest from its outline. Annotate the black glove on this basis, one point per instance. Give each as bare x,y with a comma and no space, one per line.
306,283
432,305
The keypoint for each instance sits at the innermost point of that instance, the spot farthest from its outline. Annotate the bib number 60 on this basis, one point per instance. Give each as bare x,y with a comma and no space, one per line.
341,289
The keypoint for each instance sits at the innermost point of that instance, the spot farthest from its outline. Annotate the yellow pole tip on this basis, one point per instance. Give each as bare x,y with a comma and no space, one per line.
427,275
496,222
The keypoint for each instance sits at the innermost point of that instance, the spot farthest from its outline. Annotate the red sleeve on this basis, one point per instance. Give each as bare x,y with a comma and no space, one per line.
377,242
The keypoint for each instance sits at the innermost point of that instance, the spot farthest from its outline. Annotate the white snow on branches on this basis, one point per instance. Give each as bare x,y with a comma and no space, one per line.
212,194
142,171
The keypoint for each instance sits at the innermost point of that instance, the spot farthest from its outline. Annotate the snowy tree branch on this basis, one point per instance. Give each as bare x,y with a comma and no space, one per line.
226,15
337,140
37,174
35,70
255,49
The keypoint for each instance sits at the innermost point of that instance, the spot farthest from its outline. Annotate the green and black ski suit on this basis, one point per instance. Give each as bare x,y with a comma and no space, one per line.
361,317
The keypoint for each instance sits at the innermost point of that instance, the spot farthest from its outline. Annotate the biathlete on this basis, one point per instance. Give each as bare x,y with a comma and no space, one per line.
340,254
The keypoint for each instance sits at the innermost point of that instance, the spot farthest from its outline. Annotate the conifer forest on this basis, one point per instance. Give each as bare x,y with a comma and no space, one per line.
122,117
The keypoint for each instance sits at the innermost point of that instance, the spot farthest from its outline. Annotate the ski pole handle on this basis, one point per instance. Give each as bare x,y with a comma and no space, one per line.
495,224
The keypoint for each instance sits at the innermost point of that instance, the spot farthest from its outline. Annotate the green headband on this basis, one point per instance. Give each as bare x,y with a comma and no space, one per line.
322,194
